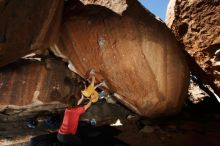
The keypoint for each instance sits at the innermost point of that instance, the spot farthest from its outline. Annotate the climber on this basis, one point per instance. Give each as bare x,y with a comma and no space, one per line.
68,129
91,89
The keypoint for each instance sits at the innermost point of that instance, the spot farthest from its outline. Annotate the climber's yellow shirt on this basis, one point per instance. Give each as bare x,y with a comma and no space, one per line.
90,90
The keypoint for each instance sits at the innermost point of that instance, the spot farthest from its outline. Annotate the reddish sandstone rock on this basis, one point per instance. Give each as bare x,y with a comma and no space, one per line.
37,86
27,26
196,24
136,54
118,6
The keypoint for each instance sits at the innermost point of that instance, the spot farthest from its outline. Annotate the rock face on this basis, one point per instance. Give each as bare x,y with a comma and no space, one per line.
26,27
136,54
118,6
28,87
196,24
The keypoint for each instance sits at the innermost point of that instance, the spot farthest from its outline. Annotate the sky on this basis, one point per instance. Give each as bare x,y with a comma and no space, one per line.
157,7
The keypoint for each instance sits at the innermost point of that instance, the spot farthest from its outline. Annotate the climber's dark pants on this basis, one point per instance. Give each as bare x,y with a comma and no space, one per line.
46,139
69,139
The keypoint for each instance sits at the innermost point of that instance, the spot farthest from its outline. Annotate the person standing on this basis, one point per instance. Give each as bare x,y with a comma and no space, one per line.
67,131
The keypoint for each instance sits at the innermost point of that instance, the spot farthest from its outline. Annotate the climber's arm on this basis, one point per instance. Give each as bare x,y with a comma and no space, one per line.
88,105
80,100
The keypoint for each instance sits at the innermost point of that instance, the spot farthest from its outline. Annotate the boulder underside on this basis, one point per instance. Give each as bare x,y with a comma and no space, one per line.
128,47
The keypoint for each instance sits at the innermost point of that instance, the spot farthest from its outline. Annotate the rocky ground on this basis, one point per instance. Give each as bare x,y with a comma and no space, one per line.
197,124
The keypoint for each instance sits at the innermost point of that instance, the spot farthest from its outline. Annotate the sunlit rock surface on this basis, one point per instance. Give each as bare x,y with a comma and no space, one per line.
27,26
196,24
118,6
136,54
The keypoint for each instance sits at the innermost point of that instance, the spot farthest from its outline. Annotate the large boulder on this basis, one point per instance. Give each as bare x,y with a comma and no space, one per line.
27,27
196,24
134,52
